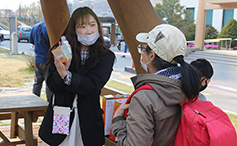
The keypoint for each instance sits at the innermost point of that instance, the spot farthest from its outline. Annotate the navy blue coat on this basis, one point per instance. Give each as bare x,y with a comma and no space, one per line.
87,85
41,48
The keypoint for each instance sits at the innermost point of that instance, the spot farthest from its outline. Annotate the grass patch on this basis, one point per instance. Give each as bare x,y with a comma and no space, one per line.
233,119
43,95
14,71
4,124
120,86
2,50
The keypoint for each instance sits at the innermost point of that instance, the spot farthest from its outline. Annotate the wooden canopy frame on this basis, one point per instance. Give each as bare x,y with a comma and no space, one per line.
133,16
204,5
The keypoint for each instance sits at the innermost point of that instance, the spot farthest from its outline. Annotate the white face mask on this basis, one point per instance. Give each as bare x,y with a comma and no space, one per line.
144,65
88,40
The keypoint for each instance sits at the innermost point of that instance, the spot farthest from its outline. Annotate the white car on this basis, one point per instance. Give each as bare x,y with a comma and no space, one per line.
6,33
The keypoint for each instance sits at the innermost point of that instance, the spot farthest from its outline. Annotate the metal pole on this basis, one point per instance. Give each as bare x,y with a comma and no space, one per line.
226,44
13,30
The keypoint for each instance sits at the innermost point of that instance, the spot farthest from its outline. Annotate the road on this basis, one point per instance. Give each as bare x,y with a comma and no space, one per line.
222,90
23,46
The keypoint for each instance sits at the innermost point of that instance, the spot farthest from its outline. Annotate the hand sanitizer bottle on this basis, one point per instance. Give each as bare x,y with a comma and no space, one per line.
65,42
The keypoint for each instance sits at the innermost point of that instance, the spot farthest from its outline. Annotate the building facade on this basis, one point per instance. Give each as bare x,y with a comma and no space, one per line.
217,18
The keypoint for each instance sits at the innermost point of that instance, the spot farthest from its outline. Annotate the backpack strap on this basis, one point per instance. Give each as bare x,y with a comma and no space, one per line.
144,87
41,35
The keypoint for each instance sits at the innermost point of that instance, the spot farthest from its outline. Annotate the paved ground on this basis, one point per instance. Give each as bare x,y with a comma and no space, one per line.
224,61
222,89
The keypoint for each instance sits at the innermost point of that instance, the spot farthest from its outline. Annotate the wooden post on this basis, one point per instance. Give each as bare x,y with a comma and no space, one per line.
230,45
28,129
14,125
201,15
112,33
221,45
134,16
226,46
14,122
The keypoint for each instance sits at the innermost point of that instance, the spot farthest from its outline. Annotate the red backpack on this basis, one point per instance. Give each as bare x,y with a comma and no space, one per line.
144,87
203,124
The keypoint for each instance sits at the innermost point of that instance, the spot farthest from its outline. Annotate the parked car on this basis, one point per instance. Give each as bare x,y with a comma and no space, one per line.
119,44
107,41
6,33
23,33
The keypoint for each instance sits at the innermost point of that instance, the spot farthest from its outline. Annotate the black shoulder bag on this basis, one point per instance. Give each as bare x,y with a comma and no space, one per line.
41,35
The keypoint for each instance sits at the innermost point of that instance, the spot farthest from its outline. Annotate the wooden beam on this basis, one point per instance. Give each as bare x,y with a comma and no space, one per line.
13,141
17,141
21,131
28,128
5,139
133,17
108,90
7,116
221,1
14,122
220,6
112,34
22,134
109,142
56,15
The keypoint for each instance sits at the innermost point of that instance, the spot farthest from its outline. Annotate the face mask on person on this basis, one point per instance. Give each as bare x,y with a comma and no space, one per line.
144,65
88,40
203,87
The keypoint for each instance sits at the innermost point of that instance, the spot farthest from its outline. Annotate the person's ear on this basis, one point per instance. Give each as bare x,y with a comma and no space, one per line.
152,55
203,82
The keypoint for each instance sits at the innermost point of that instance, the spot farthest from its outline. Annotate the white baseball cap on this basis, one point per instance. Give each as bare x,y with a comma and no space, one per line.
165,40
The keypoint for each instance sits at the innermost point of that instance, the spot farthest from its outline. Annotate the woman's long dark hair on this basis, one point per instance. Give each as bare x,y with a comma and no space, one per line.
189,75
96,51
190,79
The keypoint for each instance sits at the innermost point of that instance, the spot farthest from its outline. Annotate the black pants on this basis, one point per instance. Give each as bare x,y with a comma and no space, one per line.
41,74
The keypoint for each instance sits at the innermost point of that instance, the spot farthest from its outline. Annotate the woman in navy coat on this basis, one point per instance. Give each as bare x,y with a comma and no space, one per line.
84,75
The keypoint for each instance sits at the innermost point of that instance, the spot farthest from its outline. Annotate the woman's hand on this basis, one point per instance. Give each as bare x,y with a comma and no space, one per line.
61,68
67,64
121,109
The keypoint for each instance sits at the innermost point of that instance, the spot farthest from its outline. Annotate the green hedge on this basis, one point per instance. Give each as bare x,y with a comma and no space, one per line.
229,31
211,33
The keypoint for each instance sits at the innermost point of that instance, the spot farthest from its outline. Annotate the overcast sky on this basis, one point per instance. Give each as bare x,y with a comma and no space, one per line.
14,4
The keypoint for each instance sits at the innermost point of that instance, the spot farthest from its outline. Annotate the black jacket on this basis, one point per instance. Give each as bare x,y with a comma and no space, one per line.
87,85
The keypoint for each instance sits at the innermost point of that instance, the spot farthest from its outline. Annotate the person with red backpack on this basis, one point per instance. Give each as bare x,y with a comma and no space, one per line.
203,123
154,113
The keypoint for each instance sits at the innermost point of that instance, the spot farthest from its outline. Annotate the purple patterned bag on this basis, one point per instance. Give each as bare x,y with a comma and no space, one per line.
61,120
